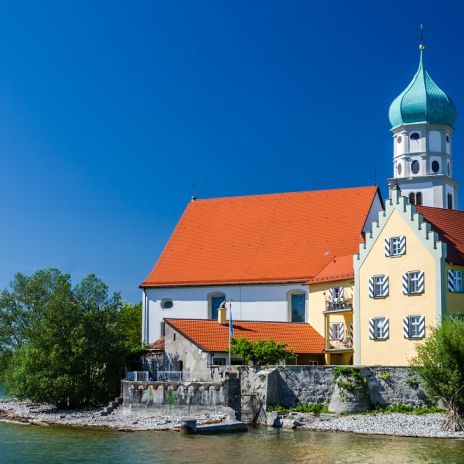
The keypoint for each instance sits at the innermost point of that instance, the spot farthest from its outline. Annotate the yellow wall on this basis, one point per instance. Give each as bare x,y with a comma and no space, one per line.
317,302
396,350
454,301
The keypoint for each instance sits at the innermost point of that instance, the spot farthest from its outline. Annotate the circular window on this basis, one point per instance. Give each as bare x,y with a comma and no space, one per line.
399,169
167,303
399,139
447,138
414,136
435,166
415,167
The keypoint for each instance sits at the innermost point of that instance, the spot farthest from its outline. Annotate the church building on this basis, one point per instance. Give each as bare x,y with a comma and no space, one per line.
366,277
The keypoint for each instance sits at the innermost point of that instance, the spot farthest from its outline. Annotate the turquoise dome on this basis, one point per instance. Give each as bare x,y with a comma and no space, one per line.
422,101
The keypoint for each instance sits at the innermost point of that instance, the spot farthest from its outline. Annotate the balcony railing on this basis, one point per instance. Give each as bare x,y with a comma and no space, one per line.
339,345
339,305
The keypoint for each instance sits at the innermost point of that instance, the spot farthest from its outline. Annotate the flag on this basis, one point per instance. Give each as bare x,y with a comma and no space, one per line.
231,325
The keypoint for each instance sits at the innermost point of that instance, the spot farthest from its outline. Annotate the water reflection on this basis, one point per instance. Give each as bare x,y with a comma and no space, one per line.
23,444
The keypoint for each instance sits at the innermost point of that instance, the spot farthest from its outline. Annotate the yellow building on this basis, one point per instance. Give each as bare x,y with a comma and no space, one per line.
409,275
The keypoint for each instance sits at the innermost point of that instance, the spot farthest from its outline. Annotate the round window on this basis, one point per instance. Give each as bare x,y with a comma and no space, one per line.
415,167
399,169
447,138
167,304
399,139
435,166
414,136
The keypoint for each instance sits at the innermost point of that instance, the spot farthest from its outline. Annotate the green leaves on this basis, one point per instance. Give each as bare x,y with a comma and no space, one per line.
440,363
261,352
63,345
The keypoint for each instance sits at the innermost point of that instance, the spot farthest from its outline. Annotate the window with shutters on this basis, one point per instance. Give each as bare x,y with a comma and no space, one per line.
414,279
415,327
336,331
337,293
378,285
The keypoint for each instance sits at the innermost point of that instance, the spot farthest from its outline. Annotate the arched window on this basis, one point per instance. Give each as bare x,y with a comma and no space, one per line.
450,201
296,306
214,301
412,198
419,198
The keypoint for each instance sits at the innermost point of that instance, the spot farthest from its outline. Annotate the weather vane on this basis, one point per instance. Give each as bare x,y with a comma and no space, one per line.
421,38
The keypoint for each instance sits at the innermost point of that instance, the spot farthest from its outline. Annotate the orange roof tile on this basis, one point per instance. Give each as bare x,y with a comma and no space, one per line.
209,335
449,224
284,237
157,345
339,268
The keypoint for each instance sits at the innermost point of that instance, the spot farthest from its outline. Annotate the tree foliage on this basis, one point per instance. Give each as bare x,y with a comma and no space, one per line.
261,352
440,363
63,345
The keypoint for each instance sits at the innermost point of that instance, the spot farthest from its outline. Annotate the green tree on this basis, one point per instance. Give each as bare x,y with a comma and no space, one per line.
261,352
71,344
440,363
130,321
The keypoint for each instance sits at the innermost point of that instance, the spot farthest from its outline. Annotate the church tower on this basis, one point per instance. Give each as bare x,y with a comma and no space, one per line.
422,119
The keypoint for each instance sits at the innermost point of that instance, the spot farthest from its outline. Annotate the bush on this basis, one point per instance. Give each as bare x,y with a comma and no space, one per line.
261,352
316,408
440,363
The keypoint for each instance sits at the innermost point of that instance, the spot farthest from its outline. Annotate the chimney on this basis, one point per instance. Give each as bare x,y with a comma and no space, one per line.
222,316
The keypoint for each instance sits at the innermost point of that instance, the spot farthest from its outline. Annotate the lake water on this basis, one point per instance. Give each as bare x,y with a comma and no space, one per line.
34,444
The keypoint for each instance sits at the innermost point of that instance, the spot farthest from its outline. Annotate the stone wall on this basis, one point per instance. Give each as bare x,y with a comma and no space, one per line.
171,398
293,385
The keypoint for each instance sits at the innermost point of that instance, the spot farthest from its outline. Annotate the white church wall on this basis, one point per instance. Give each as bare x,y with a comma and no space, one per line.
249,302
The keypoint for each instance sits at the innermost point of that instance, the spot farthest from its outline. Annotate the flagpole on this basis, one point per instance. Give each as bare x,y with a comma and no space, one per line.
230,328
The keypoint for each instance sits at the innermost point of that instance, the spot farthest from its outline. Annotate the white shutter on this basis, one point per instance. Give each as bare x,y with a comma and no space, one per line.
422,327
341,330
406,327
385,328
371,329
421,284
331,295
402,244
387,247
371,287
451,281
405,283
341,293
332,331
385,286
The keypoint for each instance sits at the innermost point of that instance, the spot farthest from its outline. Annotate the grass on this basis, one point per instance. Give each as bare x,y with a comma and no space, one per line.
405,409
312,407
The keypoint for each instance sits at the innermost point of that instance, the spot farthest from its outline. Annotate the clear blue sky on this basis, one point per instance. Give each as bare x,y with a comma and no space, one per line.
112,114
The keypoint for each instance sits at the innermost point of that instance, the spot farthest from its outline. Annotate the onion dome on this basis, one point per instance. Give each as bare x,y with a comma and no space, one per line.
422,101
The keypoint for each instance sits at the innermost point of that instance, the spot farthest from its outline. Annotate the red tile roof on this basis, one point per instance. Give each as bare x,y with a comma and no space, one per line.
339,268
157,345
449,224
284,237
209,335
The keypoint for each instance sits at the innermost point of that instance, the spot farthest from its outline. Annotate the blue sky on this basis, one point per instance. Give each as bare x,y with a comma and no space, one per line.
113,114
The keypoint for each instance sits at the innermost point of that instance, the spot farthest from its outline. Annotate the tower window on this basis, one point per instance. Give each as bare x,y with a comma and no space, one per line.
447,138
450,201
435,166
414,136
412,198
399,139
419,198
415,167
399,169
449,168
